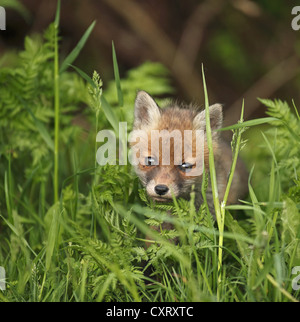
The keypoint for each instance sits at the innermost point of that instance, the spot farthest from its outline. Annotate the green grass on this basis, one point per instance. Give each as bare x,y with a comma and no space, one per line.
74,231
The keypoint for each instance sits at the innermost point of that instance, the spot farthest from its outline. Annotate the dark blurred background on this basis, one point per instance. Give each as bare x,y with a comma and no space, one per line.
248,48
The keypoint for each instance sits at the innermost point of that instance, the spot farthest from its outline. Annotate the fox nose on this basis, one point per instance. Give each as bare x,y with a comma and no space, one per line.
161,189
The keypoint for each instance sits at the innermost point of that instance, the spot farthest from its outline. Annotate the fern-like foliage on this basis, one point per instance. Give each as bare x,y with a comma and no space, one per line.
110,266
287,145
26,106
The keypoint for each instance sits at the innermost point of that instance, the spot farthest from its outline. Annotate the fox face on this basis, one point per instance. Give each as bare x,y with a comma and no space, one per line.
172,149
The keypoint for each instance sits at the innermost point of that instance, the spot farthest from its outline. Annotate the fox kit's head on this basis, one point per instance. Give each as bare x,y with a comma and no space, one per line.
170,146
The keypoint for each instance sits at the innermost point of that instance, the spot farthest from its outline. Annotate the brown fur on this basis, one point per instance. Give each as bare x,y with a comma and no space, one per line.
148,117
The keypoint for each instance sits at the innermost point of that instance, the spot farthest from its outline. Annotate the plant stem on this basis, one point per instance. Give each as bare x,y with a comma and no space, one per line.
56,107
233,165
95,152
214,186
230,178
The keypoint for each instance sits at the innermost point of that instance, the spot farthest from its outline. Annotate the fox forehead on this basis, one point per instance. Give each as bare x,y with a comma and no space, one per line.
176,118
170,130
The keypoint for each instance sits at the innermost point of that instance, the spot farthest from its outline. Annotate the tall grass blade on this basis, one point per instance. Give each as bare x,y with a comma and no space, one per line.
214,186
117,76
56,106
212,169
53,214
110,115
76,51
57,15
7,196
296,110
250,123
84,75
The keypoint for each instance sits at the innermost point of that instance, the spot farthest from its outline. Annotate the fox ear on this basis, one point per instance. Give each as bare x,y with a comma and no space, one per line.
215,115
146,110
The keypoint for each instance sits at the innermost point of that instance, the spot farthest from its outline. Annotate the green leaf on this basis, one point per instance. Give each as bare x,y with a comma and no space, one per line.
237,230
282,111
291,221
110,115
262,274
212,169
42,130
117,76
57,15
84,75
52,223
291,230
296,110
250,123
76,51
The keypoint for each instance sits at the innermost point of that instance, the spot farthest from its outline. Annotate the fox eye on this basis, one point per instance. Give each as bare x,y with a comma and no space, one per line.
186,167
150,161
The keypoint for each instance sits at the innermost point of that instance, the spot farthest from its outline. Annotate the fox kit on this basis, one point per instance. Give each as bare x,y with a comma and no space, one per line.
177,176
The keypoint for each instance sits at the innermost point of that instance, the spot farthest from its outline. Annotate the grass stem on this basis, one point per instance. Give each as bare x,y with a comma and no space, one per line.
56,106
214,186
